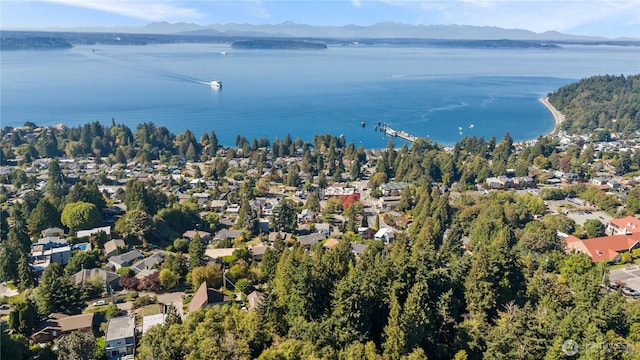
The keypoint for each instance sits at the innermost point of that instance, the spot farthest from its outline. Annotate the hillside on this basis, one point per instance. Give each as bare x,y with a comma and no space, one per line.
608,102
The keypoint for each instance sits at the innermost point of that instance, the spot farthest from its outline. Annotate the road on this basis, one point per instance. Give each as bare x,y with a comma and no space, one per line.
630,276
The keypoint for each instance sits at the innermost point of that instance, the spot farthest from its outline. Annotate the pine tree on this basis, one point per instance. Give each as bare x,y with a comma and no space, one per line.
26,277
196,252
56,293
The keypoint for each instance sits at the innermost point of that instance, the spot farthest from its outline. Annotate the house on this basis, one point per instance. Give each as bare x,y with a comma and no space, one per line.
88,233
148,263
623,226
218,205
204,235
120,337
323,228
257,252
384,234
41,258
153,320
396,187
389,203
225,234
52,241
110,280
54,231
358,249
205,297
605,248
254,299
125,259
307,241
111,247
285,236
331,243
306,216
57,325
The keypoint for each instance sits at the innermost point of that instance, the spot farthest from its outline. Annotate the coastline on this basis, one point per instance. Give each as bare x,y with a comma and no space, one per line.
558,117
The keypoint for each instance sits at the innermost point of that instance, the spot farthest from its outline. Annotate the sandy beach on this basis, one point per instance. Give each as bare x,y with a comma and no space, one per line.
557,115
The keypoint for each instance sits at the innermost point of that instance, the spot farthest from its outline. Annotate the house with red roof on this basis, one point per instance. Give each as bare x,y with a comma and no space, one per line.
605,248
623,226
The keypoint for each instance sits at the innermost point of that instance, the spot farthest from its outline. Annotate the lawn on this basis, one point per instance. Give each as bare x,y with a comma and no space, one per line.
150,310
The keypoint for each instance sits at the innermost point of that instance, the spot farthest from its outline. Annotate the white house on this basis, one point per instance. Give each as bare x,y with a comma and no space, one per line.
385,234
120,337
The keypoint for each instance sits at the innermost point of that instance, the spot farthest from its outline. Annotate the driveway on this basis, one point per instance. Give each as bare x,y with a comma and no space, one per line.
6,291
174,298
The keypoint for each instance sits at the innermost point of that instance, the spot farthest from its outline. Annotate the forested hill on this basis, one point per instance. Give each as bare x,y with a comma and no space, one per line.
609,102
277,44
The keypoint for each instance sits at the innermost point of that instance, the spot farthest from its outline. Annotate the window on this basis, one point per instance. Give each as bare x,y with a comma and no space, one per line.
128,341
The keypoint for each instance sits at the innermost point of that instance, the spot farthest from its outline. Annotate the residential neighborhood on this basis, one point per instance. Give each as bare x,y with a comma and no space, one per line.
182,237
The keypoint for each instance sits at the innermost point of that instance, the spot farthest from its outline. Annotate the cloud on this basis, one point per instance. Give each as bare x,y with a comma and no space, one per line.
154,10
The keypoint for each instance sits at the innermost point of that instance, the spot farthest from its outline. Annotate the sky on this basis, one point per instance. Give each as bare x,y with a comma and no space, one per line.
608,18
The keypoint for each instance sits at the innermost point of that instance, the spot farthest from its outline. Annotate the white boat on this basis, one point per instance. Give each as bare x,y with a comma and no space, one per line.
216,84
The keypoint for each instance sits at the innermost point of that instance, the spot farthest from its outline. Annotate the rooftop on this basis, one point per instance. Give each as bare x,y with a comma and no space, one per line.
120,327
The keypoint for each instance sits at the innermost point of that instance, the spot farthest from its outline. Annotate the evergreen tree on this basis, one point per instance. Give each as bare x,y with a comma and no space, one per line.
56,187
284,217
56,293
43,216
23,317
196,252
26,277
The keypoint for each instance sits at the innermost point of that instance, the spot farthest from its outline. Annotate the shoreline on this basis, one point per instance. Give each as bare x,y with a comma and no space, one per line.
558,117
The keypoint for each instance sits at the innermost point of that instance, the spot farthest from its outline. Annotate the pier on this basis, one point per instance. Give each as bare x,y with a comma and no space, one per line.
398,133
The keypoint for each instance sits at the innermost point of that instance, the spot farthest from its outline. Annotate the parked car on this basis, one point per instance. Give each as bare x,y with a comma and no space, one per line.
118,301
100,303
628,291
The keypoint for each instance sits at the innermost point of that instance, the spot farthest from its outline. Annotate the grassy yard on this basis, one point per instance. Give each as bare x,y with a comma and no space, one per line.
150,310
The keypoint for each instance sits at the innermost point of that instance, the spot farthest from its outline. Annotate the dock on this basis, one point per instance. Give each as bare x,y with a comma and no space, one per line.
398,133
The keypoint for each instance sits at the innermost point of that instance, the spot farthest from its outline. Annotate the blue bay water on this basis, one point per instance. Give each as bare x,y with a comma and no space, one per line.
439,93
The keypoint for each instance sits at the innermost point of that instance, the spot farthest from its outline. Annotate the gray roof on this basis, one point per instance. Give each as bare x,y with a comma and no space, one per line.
120,327
131,255
85,274
113,245
227,234
359,248
149,262
311,239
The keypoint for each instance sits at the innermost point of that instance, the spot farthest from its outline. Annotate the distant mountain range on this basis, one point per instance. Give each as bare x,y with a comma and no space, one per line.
377,31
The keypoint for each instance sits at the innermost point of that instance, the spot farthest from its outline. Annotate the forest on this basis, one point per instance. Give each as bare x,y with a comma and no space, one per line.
600,105
469,276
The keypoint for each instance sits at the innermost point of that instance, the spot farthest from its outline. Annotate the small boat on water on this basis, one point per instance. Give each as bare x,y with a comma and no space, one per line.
363,124
215,84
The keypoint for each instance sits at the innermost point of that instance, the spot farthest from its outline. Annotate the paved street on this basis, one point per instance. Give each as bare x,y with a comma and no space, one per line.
630,276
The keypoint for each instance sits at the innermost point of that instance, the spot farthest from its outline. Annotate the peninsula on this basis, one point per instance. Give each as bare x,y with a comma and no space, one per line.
277,44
